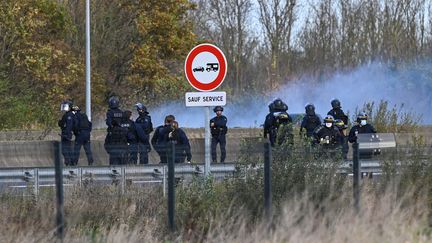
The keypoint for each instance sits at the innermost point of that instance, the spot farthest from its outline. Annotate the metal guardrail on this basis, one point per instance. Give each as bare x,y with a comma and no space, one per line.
37,177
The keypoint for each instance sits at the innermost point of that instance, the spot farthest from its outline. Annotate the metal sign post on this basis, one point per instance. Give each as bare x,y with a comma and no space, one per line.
205,69
207,141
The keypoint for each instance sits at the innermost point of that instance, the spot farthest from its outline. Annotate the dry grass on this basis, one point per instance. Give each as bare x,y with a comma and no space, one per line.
101,215
381,219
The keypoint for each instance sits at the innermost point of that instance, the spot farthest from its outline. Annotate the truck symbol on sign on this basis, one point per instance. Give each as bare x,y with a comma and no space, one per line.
212,67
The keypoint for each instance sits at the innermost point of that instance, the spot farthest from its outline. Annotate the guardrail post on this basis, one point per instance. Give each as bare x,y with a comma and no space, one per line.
356,176
171,189
80,175
36,183
123,180
267,181
59,192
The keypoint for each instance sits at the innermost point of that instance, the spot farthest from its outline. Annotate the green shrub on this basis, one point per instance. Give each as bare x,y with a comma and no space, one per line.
389,119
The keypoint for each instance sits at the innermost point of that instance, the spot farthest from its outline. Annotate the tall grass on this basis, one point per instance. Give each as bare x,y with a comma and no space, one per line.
383,217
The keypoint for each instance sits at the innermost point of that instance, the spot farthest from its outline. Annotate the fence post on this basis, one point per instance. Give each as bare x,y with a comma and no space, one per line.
267,181
59,192
171,189
356,176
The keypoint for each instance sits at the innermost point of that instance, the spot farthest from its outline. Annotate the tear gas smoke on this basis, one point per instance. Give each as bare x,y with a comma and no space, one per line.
409,85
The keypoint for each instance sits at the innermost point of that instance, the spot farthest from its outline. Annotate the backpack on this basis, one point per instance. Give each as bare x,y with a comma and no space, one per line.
83,122
312,122
118,136
132,135
117,116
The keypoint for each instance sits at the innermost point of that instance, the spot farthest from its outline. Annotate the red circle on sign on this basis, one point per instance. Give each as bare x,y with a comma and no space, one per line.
222,67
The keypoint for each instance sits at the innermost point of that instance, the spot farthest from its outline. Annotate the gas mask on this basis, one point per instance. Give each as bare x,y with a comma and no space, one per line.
328,124
363,122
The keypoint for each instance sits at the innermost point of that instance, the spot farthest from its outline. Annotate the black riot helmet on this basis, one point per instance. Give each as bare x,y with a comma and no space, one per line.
218,108
271,107
335,103
141,108
310,109
113,102
329,119
66,105
278,102
362,116
339,124
279,105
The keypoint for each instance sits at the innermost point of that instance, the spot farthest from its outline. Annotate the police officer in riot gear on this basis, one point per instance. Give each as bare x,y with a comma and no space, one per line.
132,138
340,125
113,114
276,125
160,138
134,133
66,125
218,129
327,134
145,124
181,141
338,114
362,126
82,132
310,121
116,143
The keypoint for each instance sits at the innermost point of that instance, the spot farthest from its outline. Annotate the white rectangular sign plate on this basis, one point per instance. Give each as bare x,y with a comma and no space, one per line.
205,98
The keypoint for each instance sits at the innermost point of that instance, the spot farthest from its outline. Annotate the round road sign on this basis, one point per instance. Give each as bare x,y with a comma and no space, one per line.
205,67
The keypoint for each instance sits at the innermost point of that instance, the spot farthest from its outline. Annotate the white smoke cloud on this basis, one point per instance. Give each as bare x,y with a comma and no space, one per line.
410,85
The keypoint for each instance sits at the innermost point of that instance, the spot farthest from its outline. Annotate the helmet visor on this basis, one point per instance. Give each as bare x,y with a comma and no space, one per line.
65,107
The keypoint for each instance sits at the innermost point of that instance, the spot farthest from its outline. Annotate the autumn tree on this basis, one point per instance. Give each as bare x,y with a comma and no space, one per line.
138,47
38,69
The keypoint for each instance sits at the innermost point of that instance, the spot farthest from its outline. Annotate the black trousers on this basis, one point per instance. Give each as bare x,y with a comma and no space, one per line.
67,152
83,140
221,140
143,150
